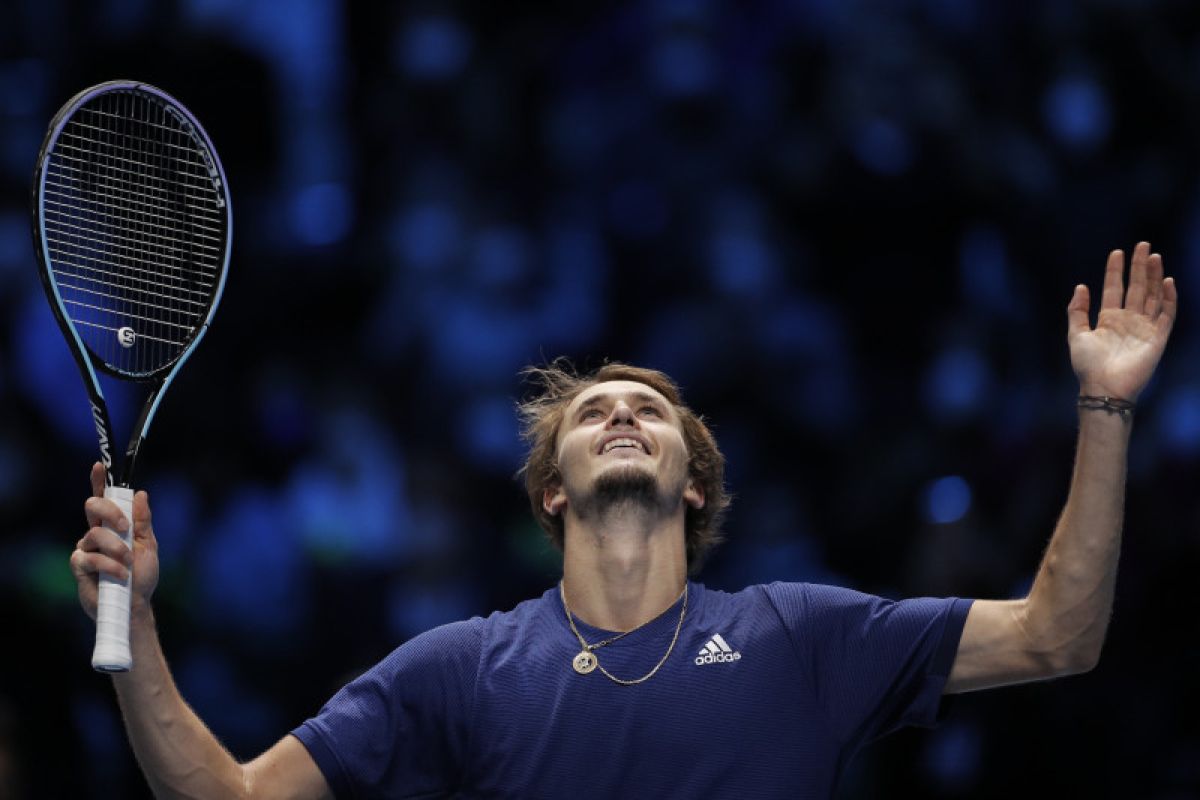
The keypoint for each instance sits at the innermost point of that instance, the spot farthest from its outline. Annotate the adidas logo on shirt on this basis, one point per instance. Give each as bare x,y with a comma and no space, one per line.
717,651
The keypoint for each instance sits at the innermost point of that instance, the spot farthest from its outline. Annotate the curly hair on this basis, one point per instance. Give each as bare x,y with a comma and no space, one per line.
541,420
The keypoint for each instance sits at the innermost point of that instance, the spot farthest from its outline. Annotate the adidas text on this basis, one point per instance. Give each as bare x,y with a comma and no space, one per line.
716,658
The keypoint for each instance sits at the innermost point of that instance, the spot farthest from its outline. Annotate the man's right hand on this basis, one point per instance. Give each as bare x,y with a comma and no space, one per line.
101,551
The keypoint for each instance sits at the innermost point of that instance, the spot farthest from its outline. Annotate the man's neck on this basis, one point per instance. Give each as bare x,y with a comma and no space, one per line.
624,570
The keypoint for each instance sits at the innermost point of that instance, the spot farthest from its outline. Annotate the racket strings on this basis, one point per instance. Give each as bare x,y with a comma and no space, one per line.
134,227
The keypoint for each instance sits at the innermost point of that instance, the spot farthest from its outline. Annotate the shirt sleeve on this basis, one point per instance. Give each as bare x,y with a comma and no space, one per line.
401,728
874,664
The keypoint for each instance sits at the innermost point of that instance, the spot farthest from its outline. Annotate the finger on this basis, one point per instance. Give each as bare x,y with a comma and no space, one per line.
1135,297
1154,285
105,542
104,512
1078,320
97,479
142,527
1114,285
1170,301
84,564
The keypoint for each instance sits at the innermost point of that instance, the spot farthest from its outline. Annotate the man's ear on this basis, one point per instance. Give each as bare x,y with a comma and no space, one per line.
554,500
693,495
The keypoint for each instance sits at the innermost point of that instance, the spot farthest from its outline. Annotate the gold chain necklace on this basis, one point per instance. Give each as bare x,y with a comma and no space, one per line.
586,660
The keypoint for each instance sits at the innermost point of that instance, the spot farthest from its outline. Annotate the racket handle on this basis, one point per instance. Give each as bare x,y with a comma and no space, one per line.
112,652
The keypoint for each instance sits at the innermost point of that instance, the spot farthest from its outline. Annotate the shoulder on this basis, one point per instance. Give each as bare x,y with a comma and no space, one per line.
766,603
467,638
803,605
447,650
788,598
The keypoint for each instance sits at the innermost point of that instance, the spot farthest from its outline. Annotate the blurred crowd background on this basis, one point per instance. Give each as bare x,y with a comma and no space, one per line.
849,229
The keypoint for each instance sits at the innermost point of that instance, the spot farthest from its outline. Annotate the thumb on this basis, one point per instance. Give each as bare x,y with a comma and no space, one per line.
1077,311
97,477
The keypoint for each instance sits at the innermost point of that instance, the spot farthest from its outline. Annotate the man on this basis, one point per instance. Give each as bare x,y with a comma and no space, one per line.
627,680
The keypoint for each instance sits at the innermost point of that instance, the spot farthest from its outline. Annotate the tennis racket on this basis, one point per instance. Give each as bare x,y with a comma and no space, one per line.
131,223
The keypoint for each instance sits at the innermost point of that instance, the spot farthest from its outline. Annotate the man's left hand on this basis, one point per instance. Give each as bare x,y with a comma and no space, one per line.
1118,356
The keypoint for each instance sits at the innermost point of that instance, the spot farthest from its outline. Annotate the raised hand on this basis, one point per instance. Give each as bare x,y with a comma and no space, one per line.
1118,356
101,551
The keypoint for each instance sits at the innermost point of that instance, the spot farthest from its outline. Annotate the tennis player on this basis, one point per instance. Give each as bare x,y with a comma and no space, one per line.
629,680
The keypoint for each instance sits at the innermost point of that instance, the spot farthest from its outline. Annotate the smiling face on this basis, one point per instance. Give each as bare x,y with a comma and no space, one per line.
620,442
549,416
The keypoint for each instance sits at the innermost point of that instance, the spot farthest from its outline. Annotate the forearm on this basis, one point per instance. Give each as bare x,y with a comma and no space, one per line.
1066,614
178,754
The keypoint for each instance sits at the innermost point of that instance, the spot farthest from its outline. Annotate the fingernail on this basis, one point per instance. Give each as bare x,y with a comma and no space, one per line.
122,524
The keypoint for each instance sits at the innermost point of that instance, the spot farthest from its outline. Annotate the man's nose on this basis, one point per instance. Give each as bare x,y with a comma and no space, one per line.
621,414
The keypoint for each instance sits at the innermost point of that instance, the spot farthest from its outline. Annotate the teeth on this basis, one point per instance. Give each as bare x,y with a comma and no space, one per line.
623,443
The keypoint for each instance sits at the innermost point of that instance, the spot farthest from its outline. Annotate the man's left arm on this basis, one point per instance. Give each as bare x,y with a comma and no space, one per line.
1059,628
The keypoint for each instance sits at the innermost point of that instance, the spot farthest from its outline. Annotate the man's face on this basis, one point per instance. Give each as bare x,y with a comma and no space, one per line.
621,441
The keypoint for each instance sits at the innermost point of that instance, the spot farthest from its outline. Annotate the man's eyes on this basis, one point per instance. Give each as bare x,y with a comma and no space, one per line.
596,413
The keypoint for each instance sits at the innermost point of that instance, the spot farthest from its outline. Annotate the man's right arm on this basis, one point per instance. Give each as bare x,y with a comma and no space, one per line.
178,754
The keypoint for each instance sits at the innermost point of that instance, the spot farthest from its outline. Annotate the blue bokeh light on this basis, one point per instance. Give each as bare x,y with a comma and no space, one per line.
47,373
741,263
884,147
1179,421
16,249
956,383
681,66
489,435
433,48
177,516
413,608
501,257
985,270
426,237
1077,111
251,566
572,314
953,755
947,499
242,715
23,86
322,213
350,504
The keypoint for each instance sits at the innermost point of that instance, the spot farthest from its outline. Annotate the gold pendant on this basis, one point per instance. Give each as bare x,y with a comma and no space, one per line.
584,663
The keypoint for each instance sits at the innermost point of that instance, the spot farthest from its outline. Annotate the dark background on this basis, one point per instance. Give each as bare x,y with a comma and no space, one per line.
849,229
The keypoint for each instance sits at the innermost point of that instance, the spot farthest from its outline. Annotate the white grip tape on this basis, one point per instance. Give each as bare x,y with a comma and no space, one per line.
112,611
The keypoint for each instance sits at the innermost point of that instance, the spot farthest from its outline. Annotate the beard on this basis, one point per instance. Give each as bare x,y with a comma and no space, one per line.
628,488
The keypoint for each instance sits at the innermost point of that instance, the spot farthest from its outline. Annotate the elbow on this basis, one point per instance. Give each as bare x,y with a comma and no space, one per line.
1081,660
1057,653
1075,659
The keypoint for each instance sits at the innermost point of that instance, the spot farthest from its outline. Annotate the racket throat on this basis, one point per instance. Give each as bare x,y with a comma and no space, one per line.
135,441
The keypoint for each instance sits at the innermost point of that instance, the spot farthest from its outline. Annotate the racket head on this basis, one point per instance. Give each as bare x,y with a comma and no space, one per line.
132,224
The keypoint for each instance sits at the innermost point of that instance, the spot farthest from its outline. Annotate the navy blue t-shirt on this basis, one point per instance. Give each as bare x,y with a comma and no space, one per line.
768,693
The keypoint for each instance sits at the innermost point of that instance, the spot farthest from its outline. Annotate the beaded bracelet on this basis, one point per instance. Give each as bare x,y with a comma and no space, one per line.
1113,405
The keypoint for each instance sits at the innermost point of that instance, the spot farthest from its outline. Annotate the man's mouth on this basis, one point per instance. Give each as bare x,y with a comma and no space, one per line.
613,444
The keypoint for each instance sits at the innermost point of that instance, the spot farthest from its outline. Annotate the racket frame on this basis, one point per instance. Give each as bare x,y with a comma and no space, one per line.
158,379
